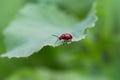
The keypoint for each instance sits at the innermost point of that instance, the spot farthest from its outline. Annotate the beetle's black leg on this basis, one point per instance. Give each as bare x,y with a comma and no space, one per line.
56,41
65,41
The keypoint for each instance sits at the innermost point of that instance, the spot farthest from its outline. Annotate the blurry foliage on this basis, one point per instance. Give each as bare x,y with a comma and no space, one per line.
6,7
96,56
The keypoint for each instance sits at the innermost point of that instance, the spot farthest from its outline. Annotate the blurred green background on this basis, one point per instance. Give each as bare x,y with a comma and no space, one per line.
96,57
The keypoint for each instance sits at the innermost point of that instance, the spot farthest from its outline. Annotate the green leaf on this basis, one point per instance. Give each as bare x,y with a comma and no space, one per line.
37,22
8,9
46,74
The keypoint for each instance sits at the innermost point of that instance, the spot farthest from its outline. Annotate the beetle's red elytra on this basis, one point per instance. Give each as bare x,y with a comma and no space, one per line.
66,37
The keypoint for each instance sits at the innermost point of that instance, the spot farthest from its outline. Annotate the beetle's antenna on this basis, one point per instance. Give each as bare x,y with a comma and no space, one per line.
55,36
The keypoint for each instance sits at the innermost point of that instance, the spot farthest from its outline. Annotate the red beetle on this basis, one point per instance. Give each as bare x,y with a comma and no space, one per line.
66,37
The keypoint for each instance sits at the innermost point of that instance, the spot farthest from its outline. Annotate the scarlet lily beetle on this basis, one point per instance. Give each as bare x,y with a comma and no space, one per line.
66,37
